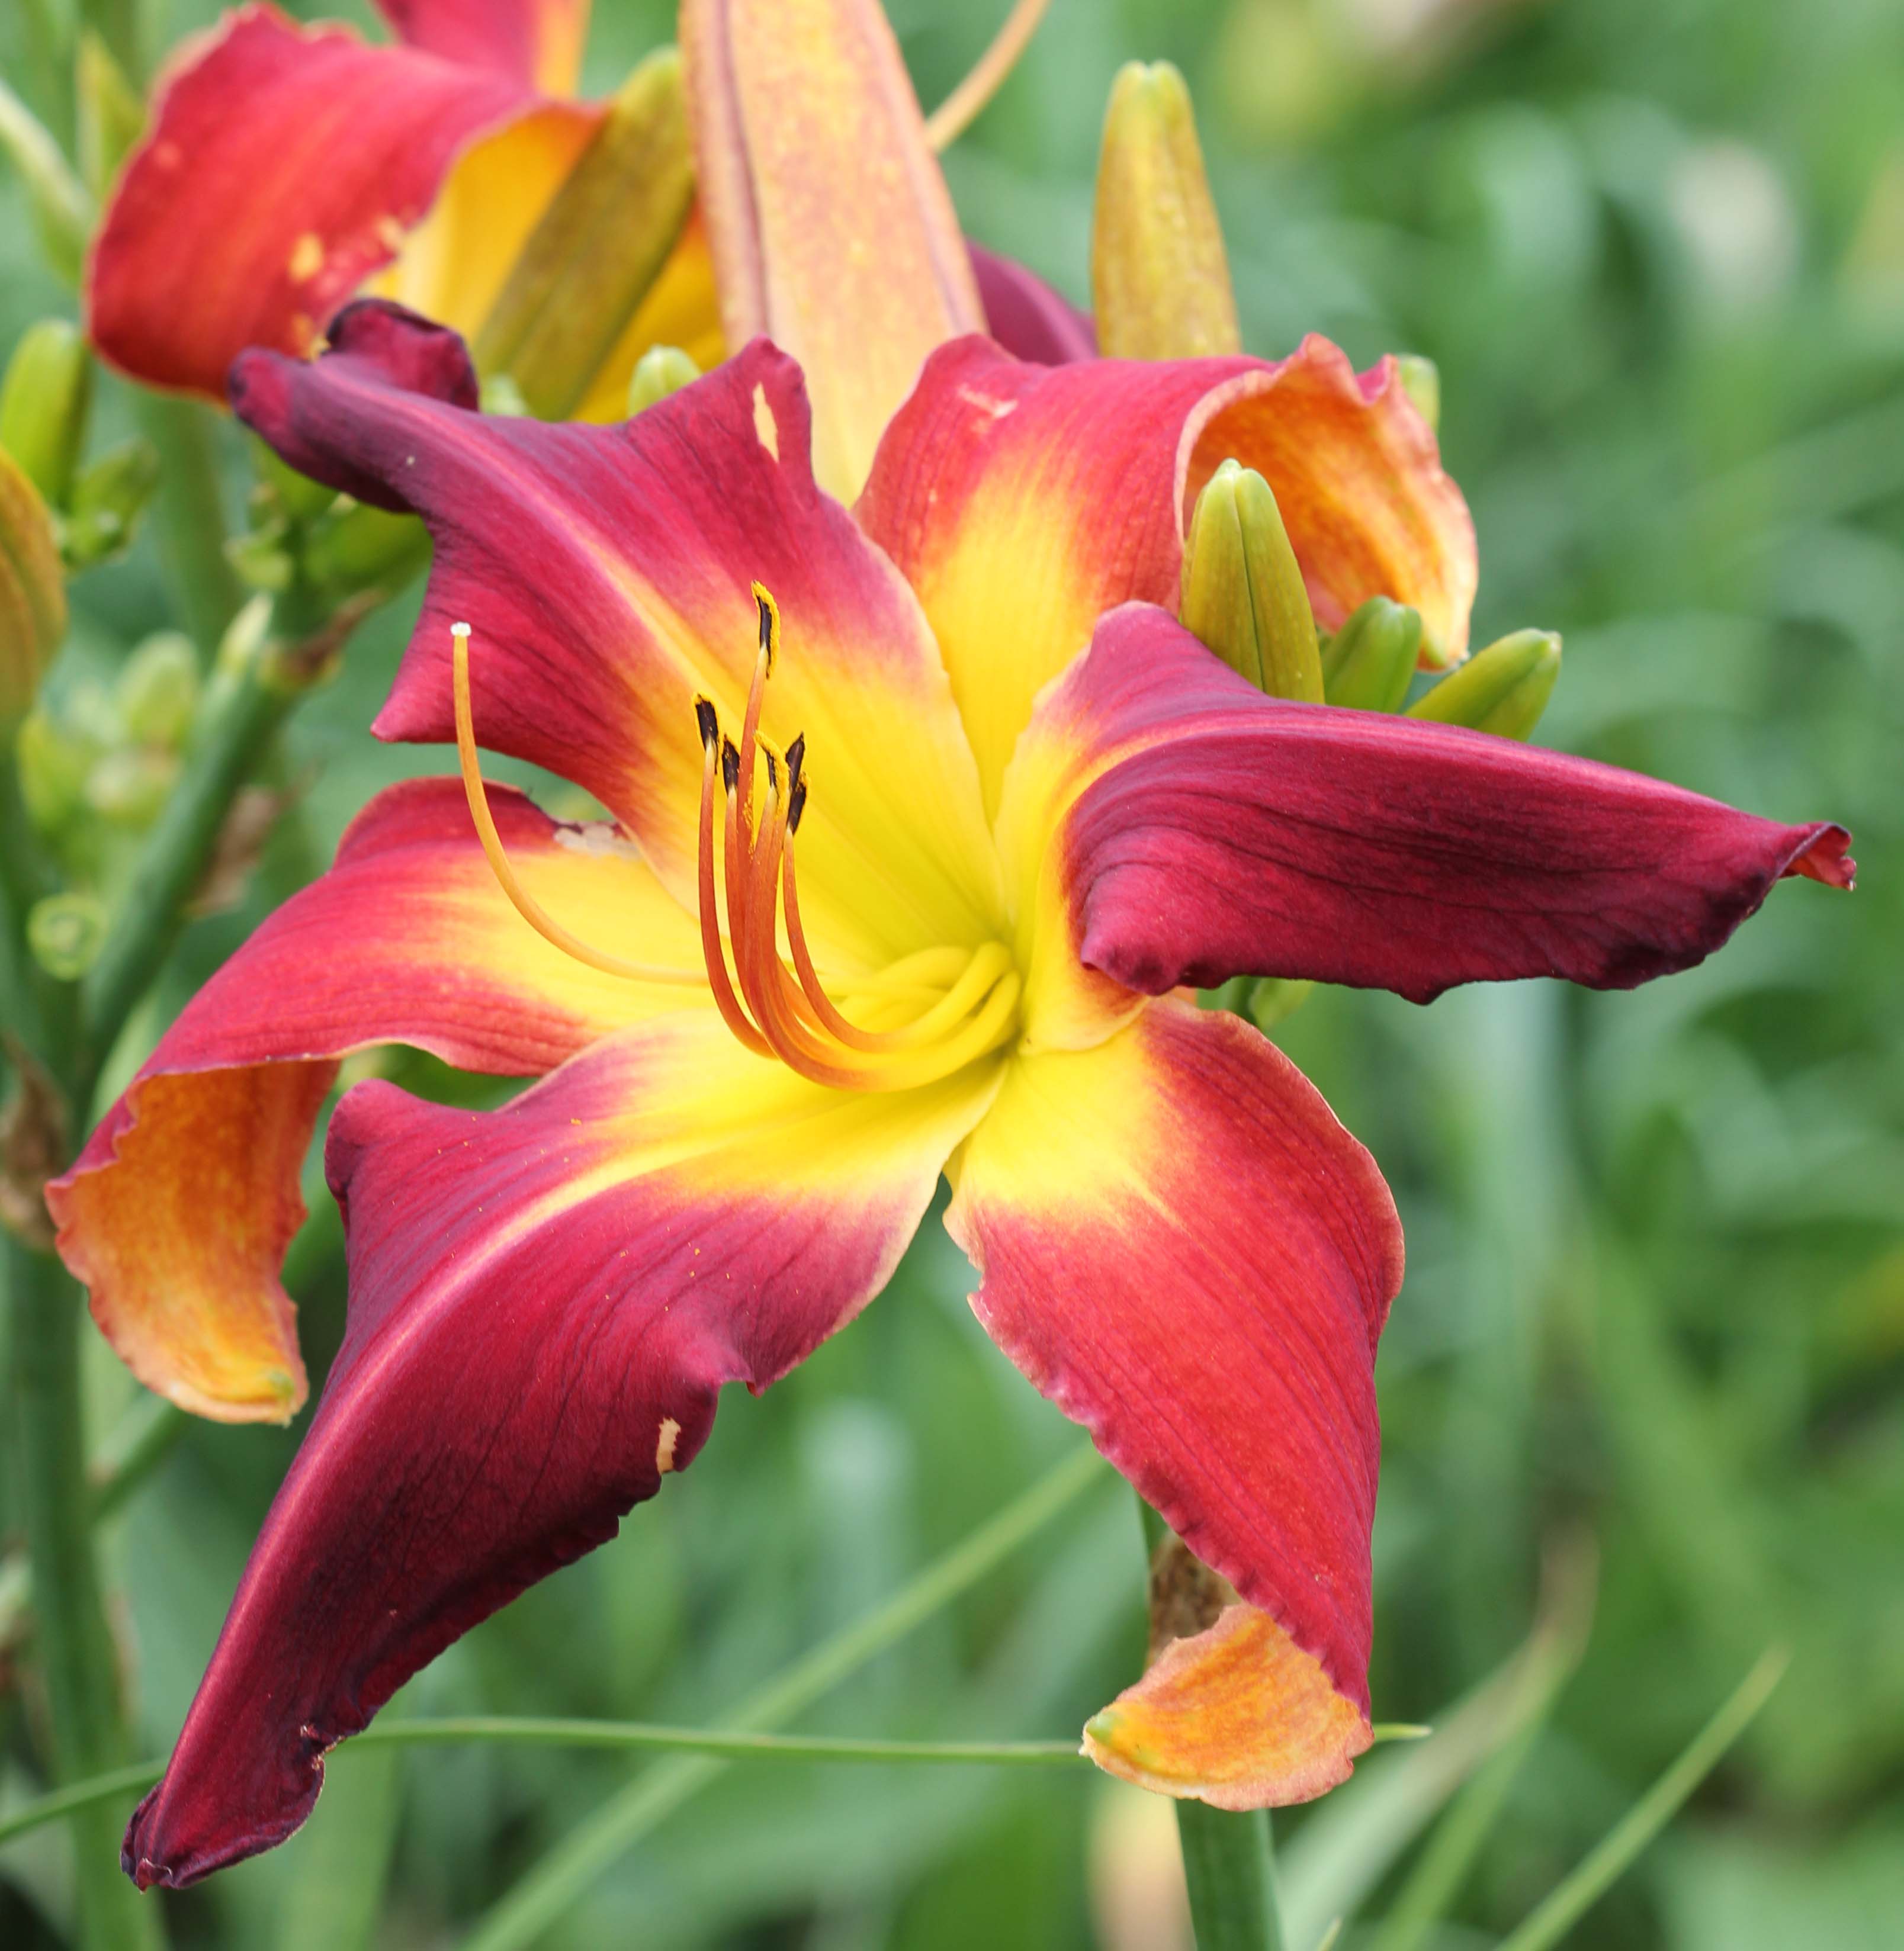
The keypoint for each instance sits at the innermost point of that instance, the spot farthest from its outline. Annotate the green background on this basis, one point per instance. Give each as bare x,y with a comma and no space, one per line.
1654,1320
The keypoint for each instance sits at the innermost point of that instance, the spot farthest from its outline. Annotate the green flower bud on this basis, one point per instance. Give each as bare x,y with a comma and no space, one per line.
598,247
295,495
660,370
503,398
1421,381
1242,591
1275,997
128,785
1369,662
262,559
54,762
33,592
108,499
1502,689
43,406
66,933
359,548
158,690
63,213
111,116
1160,280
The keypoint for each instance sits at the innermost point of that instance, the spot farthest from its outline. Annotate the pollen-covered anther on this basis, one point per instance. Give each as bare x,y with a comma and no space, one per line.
971,995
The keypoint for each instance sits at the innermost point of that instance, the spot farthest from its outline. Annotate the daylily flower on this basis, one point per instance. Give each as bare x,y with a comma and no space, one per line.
1026,807
289,168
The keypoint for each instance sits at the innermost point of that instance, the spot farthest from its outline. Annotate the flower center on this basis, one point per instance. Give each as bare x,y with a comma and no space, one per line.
971,995
924,1016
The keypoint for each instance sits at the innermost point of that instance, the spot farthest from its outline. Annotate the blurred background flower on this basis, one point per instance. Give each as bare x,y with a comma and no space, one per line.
1656,1286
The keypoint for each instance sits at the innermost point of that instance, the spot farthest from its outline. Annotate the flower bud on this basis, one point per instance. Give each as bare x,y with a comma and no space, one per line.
1369,662
359,548
1502,689
1160,282
111,116
66,933
1421,381
43,406
54,761
660,370
109,498
598,248
33,592
295,495
1242,591
158,690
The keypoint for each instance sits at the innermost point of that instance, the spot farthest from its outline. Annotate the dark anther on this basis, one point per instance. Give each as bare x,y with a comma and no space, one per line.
729,766
709,725
773,772
797,805
797,756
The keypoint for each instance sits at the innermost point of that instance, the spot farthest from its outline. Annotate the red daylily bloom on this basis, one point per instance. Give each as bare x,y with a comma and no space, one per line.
287,167
1032,803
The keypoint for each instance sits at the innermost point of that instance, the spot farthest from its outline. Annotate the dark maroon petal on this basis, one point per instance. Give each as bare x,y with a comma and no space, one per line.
1226,832
1027,316
374,342
546,1301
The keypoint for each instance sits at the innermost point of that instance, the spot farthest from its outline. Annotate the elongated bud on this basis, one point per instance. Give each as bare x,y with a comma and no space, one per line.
1370,661
660,370
831,227
33,592
1160,280
111,116
598,248
1242,591
157,689
1502,689
109,498
44,403
359,549
1421,381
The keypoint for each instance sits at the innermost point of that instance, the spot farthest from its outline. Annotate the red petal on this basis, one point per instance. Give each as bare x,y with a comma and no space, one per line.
1021,502
606,573
1222,831
283,165
546,1301
535,43
1183,1250
177,1213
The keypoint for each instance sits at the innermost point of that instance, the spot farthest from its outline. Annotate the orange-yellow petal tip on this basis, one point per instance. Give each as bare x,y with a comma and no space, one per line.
1238,1716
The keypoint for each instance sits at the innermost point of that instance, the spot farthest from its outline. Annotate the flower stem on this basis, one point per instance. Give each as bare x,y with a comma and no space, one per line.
1229,1857
189,512
73,1642
174,858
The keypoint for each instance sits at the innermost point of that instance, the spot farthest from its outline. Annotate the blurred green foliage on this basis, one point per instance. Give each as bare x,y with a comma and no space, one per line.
1656,1292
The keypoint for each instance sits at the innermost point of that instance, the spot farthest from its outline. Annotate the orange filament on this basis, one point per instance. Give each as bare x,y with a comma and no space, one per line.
531,911
971,995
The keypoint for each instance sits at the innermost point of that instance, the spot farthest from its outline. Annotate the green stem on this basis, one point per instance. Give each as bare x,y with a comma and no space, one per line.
1229,1855
189,512
559,1878
73,1643
515,1730
1229,1867
176,852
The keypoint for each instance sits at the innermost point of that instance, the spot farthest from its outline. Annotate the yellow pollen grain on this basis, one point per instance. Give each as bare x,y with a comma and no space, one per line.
306,257
664,1448
389,233
765,426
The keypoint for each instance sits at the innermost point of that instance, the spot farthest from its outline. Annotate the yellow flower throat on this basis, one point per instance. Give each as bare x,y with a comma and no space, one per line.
779,1008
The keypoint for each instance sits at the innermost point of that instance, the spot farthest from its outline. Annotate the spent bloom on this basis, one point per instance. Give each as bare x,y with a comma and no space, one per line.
923,814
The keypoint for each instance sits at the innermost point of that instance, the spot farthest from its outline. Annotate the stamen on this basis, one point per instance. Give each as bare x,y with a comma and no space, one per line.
712,953
971,996
961,108
525,904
